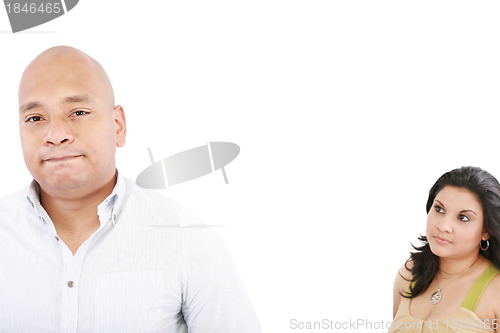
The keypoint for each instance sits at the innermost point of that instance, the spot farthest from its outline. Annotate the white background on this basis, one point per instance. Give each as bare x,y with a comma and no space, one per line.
346,113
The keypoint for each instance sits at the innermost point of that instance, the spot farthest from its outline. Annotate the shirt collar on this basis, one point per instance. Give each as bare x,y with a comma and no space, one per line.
33,197
112,204
115,200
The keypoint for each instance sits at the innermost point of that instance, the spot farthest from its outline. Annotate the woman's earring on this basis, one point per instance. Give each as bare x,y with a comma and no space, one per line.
487,245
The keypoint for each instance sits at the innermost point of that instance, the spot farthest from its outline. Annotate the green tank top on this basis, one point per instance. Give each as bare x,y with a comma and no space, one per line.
462,320
470,301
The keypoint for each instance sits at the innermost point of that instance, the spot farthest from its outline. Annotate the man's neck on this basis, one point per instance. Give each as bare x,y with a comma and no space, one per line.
75,217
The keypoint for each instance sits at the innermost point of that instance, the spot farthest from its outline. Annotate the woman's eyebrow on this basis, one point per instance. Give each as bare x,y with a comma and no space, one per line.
462,211
439,202
468,210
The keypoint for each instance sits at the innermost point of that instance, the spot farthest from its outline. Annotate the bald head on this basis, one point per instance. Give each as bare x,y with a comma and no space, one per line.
61,65
69,125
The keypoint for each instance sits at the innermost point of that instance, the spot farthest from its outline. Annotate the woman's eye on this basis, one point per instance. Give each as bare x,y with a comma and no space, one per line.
439,209
33,119
463,218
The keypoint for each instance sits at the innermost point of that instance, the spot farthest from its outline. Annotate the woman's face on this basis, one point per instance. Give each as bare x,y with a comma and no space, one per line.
455,223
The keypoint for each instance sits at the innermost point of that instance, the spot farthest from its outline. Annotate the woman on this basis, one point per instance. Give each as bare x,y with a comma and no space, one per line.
450,283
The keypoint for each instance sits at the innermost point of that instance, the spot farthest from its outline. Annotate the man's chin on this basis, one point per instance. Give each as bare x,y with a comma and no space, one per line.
62,183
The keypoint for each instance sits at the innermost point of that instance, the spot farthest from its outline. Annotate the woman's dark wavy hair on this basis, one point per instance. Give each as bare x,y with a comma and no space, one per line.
487,189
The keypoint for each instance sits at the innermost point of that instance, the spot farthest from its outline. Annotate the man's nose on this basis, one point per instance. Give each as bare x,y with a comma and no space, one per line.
58,133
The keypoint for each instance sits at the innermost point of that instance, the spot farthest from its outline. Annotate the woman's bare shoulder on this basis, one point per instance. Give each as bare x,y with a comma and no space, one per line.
491,295
404,275
401,283
488,306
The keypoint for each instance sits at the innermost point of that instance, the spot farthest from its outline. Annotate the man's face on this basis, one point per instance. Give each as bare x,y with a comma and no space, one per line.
69,127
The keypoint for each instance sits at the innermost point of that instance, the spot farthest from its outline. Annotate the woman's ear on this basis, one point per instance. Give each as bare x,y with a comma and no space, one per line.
486,235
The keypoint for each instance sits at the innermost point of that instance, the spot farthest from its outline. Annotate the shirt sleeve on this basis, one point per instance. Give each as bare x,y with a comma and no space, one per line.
214,299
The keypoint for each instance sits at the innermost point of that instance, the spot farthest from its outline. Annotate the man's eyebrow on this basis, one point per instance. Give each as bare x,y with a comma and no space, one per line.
28,106
67,100
78,99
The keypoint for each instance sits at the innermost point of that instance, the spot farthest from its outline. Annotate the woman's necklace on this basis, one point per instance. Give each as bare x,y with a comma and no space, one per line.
437,296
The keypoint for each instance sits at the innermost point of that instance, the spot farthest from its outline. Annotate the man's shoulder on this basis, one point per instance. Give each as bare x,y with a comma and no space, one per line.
14,201
158,208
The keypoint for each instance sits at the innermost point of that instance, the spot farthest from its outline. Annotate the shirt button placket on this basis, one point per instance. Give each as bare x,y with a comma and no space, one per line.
69,315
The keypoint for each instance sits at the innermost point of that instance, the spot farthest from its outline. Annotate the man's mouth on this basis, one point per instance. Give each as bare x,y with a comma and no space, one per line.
63,158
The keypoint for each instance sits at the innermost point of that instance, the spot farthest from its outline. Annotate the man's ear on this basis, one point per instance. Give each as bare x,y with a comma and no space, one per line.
121,125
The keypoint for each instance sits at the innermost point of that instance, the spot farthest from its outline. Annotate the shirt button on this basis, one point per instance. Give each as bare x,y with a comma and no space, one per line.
71,284
56,238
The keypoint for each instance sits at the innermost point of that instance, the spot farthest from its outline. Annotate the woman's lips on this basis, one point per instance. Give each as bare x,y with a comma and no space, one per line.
441,240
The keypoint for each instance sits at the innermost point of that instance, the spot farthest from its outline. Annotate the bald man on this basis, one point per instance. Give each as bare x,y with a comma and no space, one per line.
83,248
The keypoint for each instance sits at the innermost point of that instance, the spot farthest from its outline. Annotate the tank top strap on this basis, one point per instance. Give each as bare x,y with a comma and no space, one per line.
412,284
478,288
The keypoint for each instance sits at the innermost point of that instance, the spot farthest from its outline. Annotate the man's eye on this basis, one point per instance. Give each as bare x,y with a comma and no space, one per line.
439,209
463,218
33,119
79,113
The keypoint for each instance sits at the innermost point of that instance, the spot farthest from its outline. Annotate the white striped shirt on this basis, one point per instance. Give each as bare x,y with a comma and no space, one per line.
149,267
